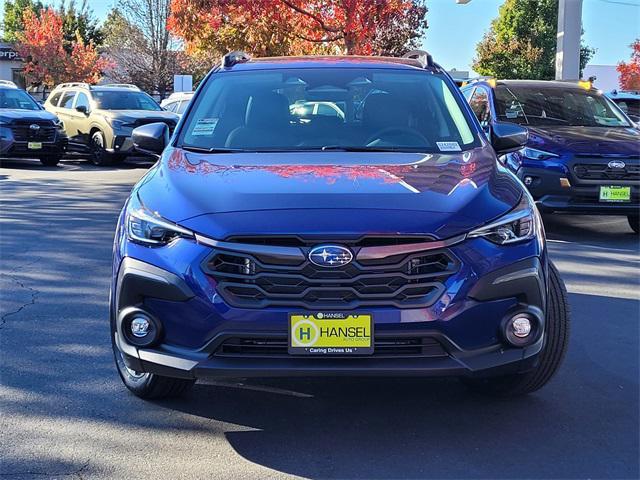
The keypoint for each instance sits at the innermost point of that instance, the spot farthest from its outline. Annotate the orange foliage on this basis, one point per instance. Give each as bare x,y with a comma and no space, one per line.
302,24
46,61
630,72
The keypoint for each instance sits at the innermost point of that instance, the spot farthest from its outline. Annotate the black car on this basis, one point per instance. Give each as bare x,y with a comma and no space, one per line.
27,130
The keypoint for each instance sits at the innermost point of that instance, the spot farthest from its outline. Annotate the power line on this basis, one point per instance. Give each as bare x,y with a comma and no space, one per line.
618,2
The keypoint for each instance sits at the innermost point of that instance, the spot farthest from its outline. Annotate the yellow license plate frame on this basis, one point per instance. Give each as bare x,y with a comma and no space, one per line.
614,193
330,333
34,145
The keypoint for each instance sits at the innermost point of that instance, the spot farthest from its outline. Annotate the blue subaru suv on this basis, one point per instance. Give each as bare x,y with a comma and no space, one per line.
583,153
377,236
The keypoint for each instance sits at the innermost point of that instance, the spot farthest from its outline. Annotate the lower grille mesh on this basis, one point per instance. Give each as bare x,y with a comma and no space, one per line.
384,346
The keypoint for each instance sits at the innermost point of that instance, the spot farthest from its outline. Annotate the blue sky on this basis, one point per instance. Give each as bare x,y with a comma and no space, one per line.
609,25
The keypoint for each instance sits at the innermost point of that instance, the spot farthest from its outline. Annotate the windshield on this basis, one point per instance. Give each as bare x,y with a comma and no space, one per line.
555,106
122,100
17,99
630,106
330,108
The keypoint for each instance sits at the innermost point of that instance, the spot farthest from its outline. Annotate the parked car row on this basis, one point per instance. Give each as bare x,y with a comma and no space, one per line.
94,121
583,152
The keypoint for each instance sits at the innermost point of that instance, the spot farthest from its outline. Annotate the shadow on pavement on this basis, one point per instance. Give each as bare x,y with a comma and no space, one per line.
62,399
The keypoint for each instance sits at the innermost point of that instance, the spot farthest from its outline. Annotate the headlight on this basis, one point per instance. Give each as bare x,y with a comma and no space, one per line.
518,225
116,123
148,228
536,154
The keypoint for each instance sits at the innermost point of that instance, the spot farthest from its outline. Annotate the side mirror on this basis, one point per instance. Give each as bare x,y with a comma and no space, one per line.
508,137
82,109
151,138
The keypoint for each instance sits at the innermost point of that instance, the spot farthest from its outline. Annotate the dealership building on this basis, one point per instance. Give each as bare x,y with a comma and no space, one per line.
10,64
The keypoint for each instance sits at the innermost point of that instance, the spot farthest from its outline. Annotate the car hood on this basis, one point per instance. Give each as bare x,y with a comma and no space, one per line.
343,193
139,114
585,140
9,114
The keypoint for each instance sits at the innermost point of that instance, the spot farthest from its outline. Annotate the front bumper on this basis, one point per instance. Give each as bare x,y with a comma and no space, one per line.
15,149
458,335
581,197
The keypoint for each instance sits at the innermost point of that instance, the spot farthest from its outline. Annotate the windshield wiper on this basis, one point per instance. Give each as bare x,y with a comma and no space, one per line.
342,148
211,150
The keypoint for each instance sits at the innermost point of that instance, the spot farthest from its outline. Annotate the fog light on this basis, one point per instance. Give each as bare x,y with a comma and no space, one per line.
564,182
139,327
521,327
528,181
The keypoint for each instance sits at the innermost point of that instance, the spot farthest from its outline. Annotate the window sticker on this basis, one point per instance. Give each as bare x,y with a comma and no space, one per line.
204,126
449,146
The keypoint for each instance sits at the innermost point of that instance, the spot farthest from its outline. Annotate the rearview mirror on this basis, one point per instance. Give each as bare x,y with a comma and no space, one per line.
82,109
151,138
508,137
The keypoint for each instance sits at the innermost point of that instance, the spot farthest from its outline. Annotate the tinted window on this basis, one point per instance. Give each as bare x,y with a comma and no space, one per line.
17,99
55,98
337,107
124,100
67,99
182,107
480,105
630,106
555,106
82,100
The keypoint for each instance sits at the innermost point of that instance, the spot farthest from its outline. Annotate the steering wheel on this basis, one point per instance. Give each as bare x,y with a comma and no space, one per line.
379,136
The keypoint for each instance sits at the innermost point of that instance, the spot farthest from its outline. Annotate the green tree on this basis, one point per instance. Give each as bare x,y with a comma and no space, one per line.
12,24
521,42
79,21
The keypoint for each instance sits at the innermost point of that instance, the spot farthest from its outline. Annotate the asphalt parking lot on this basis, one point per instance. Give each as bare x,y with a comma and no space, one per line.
65,413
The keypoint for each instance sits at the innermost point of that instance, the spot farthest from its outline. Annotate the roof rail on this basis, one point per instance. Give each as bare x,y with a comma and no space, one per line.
121,85
233,58
74,84
483,78
421,56
8,83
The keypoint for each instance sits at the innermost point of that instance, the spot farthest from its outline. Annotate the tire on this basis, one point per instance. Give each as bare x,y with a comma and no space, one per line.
552,353
634,222
99,155
51,161
149,385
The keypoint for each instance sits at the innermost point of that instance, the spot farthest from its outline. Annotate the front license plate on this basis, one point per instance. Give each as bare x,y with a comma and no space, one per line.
330,333
615,194
34,145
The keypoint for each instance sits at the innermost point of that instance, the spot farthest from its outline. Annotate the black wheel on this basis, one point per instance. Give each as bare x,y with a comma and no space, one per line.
551,356
51,161
149,385
99,155
634,222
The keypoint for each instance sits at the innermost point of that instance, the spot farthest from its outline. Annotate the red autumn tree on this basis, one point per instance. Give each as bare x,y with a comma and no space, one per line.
630,72
298,26
46,61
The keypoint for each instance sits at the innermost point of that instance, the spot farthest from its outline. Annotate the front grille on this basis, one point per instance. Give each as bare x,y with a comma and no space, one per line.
602,171
384,346
260,280
22,131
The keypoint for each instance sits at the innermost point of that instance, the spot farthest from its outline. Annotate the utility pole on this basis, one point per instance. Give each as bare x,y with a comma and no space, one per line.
568,46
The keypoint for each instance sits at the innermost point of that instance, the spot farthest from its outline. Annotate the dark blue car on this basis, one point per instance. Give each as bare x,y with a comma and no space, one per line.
583,153
384,240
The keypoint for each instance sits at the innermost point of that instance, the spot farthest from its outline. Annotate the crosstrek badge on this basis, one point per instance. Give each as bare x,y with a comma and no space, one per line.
449,146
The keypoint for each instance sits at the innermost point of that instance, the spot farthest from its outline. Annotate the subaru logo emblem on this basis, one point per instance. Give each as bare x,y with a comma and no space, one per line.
330,256
34,127
616,164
